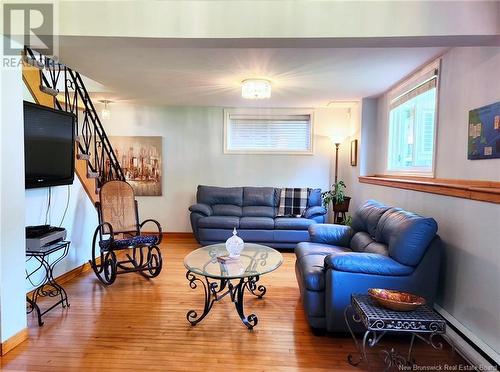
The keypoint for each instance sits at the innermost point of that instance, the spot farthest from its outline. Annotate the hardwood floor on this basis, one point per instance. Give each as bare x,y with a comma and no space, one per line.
138,325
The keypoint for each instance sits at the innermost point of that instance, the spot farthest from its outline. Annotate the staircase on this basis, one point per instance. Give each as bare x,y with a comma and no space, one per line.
57,86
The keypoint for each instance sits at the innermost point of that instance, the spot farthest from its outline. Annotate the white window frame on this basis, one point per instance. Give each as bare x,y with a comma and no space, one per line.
409,83
268,113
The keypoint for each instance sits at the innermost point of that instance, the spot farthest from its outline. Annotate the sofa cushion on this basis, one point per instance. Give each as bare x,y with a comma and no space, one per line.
259,211
366,263
220,195
317,210
407,235
363,242
367,216
227,210
219,222
292,223
378,248
260,223
128,242
360,240
290,236
260,196
314,199
307,248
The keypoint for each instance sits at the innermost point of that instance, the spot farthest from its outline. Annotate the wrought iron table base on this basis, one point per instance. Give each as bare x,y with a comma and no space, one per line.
48,287
392,358
215,291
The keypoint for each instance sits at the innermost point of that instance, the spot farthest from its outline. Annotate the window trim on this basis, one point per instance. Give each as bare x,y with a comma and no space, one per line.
266,113
408,83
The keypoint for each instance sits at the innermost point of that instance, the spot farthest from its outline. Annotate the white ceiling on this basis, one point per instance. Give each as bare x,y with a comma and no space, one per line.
301,77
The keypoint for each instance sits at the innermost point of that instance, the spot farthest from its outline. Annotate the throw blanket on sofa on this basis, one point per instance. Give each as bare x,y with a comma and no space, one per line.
293,201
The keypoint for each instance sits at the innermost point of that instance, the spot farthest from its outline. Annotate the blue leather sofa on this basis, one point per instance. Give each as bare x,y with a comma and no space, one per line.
252,210
385,248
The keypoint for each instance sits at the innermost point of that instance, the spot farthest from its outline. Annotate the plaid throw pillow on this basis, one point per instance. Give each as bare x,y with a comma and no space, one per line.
293,201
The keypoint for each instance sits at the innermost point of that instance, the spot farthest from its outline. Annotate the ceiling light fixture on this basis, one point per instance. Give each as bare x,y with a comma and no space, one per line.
256,89
105,113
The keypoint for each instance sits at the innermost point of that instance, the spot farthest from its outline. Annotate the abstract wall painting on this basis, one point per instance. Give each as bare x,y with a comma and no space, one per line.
141,161
484,132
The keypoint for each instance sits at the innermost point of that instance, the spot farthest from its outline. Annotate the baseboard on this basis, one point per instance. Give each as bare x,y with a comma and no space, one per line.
13,341
471,347
172,235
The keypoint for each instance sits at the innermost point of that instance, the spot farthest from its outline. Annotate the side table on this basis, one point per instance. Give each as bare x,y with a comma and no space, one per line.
47,287
422,323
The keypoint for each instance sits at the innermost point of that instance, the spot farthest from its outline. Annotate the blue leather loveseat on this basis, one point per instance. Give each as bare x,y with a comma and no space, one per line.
253,211
385,248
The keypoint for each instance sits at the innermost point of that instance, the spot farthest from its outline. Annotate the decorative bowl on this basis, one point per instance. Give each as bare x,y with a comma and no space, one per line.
396,300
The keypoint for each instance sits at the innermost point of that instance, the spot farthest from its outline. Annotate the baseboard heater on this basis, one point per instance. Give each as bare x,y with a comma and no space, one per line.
466,340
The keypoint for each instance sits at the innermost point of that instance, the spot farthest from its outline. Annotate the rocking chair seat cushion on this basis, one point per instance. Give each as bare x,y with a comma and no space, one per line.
129,242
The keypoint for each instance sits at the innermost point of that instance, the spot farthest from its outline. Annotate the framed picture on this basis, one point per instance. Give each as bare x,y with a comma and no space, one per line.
354,152
141,161
484,132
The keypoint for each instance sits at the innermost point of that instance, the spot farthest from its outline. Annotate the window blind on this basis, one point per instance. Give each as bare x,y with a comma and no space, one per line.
286,133
416,91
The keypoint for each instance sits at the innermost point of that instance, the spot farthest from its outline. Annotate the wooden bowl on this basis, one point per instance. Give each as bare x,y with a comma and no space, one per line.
396,300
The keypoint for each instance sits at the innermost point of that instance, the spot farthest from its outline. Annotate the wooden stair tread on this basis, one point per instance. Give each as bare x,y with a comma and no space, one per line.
93,175
83,156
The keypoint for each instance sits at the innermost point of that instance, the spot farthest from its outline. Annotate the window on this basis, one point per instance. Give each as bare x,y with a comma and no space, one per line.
267,131
412,124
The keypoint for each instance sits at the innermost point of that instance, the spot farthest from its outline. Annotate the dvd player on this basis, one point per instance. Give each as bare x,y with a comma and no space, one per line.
41,236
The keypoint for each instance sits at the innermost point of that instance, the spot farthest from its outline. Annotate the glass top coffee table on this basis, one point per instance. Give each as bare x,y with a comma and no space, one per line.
232,277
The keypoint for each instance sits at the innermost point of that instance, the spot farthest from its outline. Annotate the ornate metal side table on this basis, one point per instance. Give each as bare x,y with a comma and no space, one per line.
231,278
422,323
47,286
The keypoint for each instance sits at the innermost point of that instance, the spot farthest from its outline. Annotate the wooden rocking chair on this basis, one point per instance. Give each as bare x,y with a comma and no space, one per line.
119,217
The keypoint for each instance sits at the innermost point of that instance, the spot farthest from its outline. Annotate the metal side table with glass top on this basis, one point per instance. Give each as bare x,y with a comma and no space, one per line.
46,258
231,278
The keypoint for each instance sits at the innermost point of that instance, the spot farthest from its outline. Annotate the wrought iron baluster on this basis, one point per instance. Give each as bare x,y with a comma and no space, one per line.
88,125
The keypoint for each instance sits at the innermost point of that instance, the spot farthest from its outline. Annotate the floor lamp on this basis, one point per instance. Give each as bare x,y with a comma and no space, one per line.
337,144
337,140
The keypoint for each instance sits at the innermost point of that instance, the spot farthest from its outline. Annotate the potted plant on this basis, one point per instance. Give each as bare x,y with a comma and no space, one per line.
336,197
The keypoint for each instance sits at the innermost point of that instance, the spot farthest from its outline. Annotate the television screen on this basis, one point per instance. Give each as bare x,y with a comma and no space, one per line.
48,146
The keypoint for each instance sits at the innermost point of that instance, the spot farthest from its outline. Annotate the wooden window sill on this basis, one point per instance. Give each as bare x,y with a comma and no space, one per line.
487,191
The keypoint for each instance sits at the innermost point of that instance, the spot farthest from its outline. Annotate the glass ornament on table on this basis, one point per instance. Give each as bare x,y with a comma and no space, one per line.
234,245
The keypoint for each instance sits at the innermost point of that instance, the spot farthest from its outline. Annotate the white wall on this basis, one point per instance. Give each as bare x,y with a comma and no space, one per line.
79,222
80,219
470,229
193,155
12,238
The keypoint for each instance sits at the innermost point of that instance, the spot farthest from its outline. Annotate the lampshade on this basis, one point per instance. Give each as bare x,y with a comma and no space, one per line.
337,138
256,88
105,113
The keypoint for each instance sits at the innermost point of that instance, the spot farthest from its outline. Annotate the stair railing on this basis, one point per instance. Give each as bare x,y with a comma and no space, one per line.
93,143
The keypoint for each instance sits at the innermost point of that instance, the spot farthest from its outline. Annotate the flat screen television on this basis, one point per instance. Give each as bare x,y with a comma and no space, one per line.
49,146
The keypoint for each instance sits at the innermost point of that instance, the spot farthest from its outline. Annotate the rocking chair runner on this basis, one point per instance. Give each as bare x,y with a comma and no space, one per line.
118,214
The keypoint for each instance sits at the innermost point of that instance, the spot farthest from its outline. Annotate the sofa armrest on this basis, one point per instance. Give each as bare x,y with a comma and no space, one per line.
366,263
314,211
201,208
339,235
